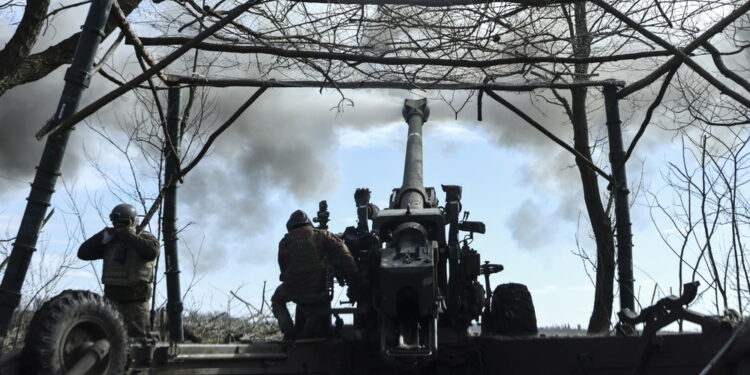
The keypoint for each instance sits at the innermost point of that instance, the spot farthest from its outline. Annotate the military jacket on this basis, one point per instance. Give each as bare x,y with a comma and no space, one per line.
124,267
128,259
304,254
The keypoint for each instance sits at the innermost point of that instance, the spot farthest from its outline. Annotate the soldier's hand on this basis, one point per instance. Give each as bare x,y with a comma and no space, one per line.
107,235
124,232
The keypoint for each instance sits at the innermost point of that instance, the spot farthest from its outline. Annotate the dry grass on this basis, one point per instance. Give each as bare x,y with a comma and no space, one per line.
221,327
17,332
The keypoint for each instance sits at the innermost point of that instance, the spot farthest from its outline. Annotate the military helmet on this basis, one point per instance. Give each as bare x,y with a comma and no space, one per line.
122,214
298,219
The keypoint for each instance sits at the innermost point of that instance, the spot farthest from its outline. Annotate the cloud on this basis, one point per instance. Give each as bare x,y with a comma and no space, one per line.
349,138
453,132
530,226
582,288
278,152
24,110
547,289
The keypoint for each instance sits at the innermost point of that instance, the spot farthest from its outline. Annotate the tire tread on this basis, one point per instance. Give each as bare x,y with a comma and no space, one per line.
46,328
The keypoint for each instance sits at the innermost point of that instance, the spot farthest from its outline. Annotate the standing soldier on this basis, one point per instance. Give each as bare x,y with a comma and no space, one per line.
128,268
304,253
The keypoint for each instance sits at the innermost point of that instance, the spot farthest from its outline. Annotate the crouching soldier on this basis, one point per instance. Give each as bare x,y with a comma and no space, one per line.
128,268
304,254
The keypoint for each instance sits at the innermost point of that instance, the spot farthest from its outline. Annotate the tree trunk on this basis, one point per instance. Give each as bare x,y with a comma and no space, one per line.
601,224
27,32
37,66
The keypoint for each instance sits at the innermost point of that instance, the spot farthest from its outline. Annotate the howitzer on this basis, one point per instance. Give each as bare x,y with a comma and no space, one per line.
423,281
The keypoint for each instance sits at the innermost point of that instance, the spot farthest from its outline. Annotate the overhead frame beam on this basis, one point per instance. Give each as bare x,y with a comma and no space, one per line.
440,3
238,82
349,85
382,60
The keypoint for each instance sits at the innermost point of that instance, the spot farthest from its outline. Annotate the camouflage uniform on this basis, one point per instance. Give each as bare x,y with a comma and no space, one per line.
304,254
127,271
136,313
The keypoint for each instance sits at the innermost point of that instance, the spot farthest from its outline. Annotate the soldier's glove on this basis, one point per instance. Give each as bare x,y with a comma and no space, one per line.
107,235
124,233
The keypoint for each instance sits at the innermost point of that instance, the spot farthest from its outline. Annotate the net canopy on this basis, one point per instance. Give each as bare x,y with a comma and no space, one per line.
461,43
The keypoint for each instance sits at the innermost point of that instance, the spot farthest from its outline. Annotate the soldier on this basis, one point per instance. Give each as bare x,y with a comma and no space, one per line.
128,268
304,253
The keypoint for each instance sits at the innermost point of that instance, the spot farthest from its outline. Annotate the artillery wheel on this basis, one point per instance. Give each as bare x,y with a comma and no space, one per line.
513,311
61,328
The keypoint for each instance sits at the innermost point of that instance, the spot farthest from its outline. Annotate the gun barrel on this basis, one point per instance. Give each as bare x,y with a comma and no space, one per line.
412,193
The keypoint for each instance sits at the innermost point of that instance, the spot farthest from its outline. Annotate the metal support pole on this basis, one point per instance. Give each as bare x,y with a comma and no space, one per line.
620,190
77,80
169,217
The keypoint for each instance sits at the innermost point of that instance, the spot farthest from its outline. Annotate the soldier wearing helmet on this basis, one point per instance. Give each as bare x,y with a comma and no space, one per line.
128,268
304,253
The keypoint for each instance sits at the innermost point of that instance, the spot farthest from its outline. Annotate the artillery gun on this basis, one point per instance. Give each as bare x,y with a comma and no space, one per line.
422,281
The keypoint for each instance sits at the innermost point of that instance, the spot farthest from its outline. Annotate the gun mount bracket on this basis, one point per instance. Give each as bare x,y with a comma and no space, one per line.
488,269
666,311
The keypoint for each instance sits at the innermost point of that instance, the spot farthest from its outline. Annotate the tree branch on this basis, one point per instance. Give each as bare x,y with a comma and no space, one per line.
679,54
116,93
649,114
440,3
19,46
676,61
547,133
362,58
716,55
38,65
133,39
221,129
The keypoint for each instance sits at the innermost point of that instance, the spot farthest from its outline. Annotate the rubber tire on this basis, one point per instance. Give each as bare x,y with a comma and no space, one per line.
92,316
513,311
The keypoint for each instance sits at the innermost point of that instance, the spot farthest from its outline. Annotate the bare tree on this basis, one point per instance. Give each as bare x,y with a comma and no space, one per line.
44,279
707,224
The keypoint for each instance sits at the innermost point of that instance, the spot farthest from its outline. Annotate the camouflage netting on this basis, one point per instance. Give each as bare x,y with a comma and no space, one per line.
289,40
